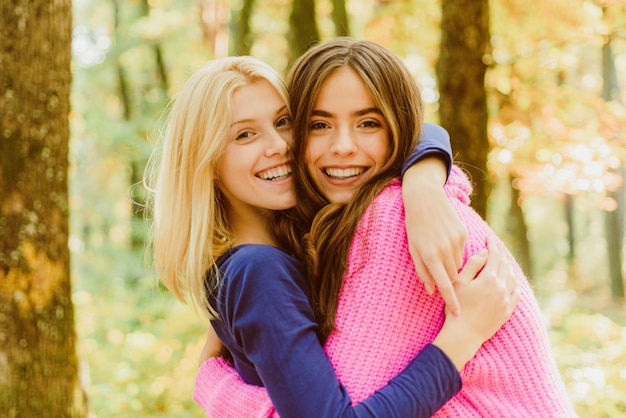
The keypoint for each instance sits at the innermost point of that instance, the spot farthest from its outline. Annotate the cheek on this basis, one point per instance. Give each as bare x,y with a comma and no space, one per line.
287,136
382,152
311,155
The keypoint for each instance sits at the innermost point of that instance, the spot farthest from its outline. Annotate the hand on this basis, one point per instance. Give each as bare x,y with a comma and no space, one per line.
487,302
213,347
435,233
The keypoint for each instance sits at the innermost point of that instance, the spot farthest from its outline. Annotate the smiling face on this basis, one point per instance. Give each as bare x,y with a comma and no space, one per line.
348,138
255,170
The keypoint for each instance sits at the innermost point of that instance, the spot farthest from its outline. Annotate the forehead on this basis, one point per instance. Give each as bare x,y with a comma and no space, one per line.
254,98
344,87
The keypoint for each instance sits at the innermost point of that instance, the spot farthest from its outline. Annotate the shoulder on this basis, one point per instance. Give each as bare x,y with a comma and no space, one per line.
257,256
252,265
389,195
384,212
254,254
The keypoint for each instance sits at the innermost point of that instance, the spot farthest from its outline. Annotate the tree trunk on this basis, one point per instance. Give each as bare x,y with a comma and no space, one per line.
463,104
38,362
614,229
303,30
571,228
614,220
241,30
340,18
159,61
520,230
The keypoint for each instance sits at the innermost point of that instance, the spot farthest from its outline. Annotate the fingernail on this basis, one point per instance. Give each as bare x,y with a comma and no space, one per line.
482,252
429,288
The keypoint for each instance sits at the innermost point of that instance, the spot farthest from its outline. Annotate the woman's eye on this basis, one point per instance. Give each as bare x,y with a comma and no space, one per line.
244,135
370,124
283,122
318,125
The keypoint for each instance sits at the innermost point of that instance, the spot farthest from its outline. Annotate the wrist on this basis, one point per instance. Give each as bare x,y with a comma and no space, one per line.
428,172
457,343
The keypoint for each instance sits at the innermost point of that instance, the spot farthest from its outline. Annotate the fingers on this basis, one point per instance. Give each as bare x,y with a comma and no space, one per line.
505,277
449,297
494,261
423,274
436,274
510,282
515,297
458,254
446,290
473,266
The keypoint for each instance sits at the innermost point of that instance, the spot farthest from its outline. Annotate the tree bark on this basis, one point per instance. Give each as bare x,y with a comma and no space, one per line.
463,104
38,362
340,18
614,220
571,228
303,30
242,31
520,230
158,56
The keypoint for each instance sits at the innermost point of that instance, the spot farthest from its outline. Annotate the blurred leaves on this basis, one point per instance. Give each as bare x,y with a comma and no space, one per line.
549,128
591,352
138,344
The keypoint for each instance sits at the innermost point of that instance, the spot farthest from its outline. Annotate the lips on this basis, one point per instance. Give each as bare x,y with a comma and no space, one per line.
277,173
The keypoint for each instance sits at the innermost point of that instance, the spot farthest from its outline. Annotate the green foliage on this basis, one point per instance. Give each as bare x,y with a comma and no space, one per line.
591,351
549,129
138,344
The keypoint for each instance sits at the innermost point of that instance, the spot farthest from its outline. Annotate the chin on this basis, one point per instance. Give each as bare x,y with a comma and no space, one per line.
287,204
341,198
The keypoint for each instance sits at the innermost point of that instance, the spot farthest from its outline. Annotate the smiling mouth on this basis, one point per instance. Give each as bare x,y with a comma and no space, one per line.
344,173
276,174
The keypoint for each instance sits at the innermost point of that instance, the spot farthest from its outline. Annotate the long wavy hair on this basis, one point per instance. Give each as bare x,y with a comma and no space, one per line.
190,229
332,225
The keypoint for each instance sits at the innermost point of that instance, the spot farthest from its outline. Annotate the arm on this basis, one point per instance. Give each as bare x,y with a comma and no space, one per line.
460,338
290,361
435,233
213,347
221,392
434,142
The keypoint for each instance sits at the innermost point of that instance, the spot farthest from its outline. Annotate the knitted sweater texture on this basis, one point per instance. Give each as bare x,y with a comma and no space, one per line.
385,317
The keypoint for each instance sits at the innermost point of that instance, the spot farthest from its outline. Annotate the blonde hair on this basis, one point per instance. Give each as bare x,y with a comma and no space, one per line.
397,95
190,229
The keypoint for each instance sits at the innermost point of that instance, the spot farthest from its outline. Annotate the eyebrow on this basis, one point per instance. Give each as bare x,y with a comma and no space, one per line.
278,112
323,113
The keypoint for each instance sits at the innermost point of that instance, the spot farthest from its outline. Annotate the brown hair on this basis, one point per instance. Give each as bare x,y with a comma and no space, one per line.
396,94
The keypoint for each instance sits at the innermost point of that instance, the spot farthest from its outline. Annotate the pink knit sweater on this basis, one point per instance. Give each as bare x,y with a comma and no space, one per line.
385,317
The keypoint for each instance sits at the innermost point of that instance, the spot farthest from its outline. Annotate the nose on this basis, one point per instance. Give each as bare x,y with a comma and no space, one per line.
276,144
343,142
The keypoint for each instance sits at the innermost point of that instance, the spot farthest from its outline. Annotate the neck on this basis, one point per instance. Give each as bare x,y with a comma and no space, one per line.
251,227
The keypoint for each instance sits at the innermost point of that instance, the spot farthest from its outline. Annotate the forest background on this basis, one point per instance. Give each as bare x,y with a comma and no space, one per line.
548,167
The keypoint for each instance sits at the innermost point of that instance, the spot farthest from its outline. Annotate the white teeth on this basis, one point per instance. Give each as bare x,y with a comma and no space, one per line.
341,173
276,173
